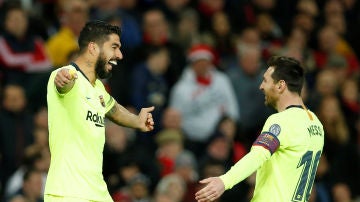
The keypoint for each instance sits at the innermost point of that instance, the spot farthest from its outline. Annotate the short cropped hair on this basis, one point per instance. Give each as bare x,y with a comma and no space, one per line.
96,31
289,70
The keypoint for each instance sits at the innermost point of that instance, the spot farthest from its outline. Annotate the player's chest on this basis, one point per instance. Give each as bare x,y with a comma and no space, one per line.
92,97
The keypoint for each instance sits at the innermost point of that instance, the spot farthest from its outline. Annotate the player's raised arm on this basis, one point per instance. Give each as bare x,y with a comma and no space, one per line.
143,121
65,80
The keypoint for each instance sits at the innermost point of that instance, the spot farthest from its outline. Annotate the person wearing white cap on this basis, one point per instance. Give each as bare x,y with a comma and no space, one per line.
202,95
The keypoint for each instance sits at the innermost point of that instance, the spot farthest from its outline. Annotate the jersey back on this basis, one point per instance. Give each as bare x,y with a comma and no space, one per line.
290,172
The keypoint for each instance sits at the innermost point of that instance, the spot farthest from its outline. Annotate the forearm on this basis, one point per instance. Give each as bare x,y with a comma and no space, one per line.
121,116
245,167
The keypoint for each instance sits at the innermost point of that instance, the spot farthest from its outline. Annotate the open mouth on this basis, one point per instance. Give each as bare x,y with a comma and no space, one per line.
113,62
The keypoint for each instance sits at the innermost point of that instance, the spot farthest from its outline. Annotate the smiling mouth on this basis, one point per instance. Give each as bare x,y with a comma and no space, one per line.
113,62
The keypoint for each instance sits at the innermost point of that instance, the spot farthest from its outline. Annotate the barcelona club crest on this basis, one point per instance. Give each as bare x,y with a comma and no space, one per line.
102,100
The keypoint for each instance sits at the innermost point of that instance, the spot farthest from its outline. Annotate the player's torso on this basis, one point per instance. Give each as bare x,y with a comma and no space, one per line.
290,172
77,137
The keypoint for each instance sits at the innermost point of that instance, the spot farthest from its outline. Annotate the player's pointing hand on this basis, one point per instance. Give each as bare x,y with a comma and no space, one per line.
64,79
146,119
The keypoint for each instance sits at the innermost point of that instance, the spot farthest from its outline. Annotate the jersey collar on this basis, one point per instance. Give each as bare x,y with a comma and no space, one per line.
78,69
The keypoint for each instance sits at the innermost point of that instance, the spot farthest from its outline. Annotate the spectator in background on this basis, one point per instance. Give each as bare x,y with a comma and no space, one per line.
329,43
326,84
206,10
339,66
171,119
350,105
342,153
131,34
139,188
136,189
117,140
172,10
73,15
31,187
218,148
296,46
148,81
187,30
170,145
202,95
16,127
23,57
36,158
186,167
245,13
341,193
156,32
170,188
245,76
21,53
222,39
150,87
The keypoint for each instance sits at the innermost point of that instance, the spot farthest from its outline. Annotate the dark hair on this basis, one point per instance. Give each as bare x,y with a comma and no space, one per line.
289,70
96,31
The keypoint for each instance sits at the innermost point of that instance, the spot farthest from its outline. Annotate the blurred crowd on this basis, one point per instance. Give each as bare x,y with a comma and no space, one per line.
200,63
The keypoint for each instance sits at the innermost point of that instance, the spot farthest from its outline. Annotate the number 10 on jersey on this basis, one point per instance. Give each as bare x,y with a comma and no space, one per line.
307,177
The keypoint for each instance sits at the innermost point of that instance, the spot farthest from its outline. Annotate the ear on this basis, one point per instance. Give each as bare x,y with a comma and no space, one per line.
93,48
281,85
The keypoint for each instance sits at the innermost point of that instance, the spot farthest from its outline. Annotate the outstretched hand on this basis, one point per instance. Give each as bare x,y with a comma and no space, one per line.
213,189
146,119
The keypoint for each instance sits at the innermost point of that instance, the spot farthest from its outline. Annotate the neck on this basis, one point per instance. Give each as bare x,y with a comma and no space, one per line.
87,66
288,99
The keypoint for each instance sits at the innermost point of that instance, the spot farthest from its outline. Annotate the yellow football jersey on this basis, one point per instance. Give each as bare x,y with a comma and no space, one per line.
76,138
290,172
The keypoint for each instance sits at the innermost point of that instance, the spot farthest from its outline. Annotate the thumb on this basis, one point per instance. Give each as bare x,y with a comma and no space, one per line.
205,181
149,109
72,73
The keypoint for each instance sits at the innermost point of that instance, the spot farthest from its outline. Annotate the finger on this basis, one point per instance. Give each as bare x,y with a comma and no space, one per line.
202,192
149,109
150,123
212,196
150,127
205,181
72,73
201,198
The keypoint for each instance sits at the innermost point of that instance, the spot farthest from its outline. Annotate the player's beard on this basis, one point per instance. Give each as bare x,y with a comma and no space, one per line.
100,67
270,101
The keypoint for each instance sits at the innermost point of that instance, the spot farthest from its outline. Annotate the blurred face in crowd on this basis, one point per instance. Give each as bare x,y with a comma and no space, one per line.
14,98
250,58
155,26
326,83
16,22
202,67
221,23
176,5
327,39
159,61
172,118
75,14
